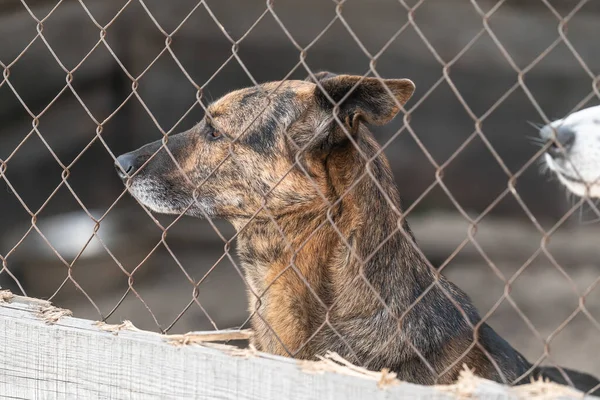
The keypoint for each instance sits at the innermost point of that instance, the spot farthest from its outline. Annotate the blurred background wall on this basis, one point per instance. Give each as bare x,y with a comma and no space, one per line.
61,171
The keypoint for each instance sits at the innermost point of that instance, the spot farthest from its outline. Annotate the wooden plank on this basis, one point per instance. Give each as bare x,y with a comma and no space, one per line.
71,358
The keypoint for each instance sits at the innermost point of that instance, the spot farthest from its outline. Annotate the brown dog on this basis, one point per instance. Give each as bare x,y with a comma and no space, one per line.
328,263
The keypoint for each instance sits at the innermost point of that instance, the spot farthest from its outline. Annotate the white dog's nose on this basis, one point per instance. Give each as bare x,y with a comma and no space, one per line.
562,135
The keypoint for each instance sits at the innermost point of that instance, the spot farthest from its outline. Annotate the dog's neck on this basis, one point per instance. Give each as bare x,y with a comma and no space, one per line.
301,264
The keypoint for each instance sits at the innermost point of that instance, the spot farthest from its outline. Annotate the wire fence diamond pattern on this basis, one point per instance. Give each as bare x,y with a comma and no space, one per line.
302,51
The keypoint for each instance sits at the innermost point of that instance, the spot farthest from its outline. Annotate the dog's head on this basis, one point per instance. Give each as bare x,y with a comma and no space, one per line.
261,146
574,152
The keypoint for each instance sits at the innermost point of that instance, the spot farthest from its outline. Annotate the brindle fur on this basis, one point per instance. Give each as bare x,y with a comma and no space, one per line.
325,261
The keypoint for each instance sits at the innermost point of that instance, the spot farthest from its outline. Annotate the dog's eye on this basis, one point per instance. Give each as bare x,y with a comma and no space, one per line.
214,134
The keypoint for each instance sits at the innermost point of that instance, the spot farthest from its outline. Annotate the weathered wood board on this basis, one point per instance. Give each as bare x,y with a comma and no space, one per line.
46,354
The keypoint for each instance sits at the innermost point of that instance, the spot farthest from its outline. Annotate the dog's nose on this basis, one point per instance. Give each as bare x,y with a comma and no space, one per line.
564,135
126,165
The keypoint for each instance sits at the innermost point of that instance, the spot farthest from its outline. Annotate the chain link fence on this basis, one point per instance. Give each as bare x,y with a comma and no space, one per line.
73,235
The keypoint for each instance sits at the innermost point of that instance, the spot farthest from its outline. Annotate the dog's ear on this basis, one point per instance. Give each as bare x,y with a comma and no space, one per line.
320,76
364,98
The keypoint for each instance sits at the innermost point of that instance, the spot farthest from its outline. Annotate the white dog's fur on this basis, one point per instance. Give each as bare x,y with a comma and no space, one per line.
577,163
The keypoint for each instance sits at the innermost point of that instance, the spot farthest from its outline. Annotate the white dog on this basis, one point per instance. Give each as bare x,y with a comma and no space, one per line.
574,153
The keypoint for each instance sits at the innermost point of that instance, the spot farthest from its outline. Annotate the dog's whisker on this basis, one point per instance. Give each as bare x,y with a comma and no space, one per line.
590,207
535,125
594,208
536,139
591,222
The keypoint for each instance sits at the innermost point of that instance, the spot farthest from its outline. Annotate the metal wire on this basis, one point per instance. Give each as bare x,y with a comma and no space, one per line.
406,129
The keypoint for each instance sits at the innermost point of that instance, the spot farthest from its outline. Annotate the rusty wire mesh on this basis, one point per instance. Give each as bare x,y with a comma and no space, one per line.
270,11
